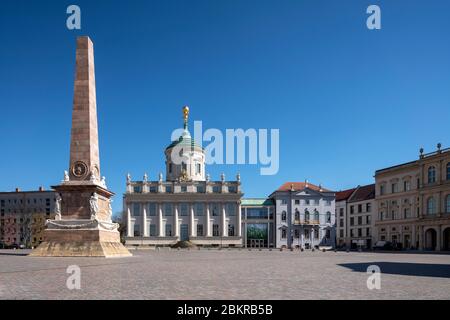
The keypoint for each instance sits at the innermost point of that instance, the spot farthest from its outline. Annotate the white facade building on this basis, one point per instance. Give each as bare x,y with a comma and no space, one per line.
187,206
305,216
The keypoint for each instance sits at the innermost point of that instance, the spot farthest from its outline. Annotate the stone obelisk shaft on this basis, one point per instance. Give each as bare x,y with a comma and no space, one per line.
84,154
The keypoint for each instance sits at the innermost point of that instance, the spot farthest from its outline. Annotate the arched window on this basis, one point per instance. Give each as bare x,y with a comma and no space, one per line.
316,215
306,215
328,217
283,216
297,215
448,171
447,204
431,206
431,174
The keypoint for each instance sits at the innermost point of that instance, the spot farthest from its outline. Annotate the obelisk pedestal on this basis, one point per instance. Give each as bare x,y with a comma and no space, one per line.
83,225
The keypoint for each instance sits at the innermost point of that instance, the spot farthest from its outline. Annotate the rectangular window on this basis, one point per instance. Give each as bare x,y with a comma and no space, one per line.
368,207
296,234
341,233
297,201
283,233
215,210
359,221
232,189
341,223
167,209
381,190
168,230
406,185
215,230
394,187
137,230
307,202
216,189
152,209
199,168
168,189
257,213
359,232
199,230
137,189
231,209
136,209
368,232
352,209
184,209
352,221
153,230
367,219
199,209
231,230
341,212
352,233
283,201
406,213
200,189
153,189
183,188
359,208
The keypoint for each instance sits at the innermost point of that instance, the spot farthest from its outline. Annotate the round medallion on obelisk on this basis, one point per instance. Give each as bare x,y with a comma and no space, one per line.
79,169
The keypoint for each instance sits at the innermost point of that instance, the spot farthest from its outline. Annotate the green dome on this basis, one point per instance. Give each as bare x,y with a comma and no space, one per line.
184,140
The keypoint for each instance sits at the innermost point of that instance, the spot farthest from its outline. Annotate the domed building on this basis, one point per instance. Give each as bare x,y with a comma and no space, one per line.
187,205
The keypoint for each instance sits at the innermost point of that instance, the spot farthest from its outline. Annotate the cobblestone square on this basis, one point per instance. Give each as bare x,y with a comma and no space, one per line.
227,274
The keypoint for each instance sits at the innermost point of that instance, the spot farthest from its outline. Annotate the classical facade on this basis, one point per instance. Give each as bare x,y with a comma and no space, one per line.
305,216
341,216
187,205
360,208
413,202
23,215
258,222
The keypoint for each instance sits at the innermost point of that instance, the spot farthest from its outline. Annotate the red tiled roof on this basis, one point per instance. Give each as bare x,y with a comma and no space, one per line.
345,194
299,186
364,193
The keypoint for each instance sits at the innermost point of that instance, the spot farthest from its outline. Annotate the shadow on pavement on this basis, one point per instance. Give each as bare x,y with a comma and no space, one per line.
406,269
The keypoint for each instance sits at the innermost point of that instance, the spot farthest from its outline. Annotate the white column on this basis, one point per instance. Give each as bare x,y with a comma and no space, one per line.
175,220
129,230
224,221
160,220
144,219
191,220
239,220
208,220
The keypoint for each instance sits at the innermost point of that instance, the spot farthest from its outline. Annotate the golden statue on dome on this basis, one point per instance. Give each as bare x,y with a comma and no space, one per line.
185,116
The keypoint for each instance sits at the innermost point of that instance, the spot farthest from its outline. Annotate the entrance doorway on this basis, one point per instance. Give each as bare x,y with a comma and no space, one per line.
407,241
446,237
430,239
184,233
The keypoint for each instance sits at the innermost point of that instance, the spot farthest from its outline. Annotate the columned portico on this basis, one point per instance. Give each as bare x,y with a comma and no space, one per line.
187,205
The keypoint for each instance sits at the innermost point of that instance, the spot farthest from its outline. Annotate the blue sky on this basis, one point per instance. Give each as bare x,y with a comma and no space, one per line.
347,100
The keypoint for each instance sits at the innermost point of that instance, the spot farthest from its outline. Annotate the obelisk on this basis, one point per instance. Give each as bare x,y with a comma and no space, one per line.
83,225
